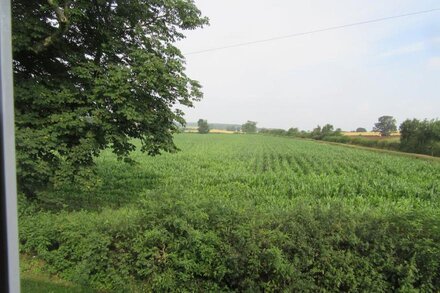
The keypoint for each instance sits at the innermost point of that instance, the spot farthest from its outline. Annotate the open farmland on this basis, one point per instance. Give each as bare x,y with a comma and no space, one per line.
245,212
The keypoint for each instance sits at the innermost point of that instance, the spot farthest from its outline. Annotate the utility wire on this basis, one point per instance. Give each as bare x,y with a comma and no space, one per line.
311,32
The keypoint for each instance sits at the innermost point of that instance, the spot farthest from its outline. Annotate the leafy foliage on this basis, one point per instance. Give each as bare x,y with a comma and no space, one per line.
273,131
96,74
386,125
293,131
202,245
326,131
249,127
421,136
361,129
203,126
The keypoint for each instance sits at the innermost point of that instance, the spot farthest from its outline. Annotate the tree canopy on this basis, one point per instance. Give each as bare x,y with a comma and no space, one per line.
203,126
249,127
420,136
325,131
386,125
293,131
96,74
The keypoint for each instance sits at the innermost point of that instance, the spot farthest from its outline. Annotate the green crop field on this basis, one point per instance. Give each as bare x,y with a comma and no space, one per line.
244,212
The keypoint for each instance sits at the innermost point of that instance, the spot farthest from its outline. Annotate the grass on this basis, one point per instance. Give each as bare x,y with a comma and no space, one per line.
34,279
46,285
233,212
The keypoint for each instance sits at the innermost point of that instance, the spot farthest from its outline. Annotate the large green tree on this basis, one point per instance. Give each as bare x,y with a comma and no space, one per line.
420,136
386,125
93,74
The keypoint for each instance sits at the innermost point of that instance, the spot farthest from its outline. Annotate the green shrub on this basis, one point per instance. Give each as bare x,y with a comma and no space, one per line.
171,244
339,139
364,142
421,136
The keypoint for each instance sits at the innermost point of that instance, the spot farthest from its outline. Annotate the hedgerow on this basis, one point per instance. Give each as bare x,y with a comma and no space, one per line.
172,244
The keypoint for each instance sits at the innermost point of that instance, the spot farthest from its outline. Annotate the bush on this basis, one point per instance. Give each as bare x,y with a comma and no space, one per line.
421,136
170,244
388,144
364,142
339,139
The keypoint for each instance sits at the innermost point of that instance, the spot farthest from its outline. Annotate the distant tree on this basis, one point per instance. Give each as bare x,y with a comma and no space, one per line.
293,131
316,132
327,129
386,125
420,136
273,131
249,127
203,126
361,129
304,134
278,131
233,128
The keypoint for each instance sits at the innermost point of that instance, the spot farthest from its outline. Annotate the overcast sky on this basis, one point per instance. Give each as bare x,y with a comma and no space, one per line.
347,77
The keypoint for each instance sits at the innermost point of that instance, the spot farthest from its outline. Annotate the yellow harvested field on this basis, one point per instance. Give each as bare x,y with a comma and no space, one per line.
221,131
369,133
194,130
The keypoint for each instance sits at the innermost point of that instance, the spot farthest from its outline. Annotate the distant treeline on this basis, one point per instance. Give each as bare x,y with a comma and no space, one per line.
416,136
220,126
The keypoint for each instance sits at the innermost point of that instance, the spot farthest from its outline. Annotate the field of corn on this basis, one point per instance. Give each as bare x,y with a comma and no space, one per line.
245,212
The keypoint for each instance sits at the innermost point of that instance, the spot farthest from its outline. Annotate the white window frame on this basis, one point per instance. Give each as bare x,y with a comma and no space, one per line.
9,254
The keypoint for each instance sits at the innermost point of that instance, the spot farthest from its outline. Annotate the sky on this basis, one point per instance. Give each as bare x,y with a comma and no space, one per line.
347,77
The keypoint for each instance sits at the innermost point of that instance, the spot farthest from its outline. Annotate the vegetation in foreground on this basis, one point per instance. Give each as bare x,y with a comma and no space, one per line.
35,279
245,212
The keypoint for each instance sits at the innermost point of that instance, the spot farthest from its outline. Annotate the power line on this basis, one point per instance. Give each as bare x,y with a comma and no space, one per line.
311,32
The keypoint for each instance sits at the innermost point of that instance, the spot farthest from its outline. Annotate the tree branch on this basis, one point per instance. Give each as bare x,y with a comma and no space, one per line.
63,21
